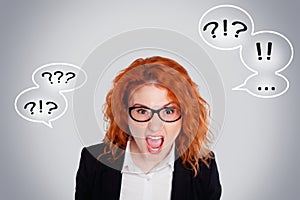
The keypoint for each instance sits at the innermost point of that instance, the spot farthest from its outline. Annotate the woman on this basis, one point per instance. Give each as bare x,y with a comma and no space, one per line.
156,143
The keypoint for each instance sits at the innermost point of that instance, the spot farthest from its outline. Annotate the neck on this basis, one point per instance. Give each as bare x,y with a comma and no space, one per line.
145,160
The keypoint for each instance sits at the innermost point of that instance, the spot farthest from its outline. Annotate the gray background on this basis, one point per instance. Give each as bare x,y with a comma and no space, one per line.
257,153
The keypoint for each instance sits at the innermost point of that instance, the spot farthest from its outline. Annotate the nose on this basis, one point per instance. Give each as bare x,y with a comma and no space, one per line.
155,124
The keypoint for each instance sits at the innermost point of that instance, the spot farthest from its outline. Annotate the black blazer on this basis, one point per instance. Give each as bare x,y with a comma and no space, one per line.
95,180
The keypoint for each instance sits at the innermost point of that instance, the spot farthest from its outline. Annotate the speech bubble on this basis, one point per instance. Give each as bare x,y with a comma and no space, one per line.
62,77
46,102
266,53
37,105
225,27
265,86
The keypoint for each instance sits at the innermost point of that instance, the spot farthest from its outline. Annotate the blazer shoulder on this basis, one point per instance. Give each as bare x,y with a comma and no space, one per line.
96,149
96,152
91,173
89,155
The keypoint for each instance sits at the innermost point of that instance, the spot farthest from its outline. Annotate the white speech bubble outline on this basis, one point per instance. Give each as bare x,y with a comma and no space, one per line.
48,123
240,47
64,64
224,6
242,88
277,73
275,33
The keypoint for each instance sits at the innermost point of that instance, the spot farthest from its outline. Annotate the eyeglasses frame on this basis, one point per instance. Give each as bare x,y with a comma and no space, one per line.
153,111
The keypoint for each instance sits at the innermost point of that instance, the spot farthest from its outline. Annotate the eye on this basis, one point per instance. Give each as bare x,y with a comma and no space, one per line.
169,110
142,111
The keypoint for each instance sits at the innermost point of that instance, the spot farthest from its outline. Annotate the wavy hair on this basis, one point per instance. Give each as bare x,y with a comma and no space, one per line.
192,142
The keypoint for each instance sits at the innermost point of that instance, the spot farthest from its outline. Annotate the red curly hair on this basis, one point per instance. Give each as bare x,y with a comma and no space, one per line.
192,142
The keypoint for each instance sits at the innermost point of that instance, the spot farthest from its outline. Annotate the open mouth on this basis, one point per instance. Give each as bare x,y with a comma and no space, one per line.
154,143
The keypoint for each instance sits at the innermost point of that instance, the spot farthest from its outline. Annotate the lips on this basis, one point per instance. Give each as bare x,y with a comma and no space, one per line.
154,143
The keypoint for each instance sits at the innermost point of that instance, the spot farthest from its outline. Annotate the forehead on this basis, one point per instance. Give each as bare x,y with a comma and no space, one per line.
149,95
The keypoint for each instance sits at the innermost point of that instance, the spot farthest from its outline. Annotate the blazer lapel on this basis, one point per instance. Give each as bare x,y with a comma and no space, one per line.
111,177
181,183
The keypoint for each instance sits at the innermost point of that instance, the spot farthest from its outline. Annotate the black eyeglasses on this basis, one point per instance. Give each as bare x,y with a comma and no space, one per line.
144,114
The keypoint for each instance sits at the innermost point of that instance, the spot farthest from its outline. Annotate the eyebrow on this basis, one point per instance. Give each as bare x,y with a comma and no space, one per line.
138,104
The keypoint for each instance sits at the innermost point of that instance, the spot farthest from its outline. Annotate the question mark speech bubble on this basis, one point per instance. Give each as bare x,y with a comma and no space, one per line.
232,26
46,102
37,105
62,77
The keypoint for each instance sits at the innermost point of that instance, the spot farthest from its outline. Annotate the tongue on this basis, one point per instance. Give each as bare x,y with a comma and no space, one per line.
154,143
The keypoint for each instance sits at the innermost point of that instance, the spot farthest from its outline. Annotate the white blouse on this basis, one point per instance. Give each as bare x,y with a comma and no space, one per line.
156,184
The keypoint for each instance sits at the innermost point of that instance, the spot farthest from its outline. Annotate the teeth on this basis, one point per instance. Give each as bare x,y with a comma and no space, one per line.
155,149
154,137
